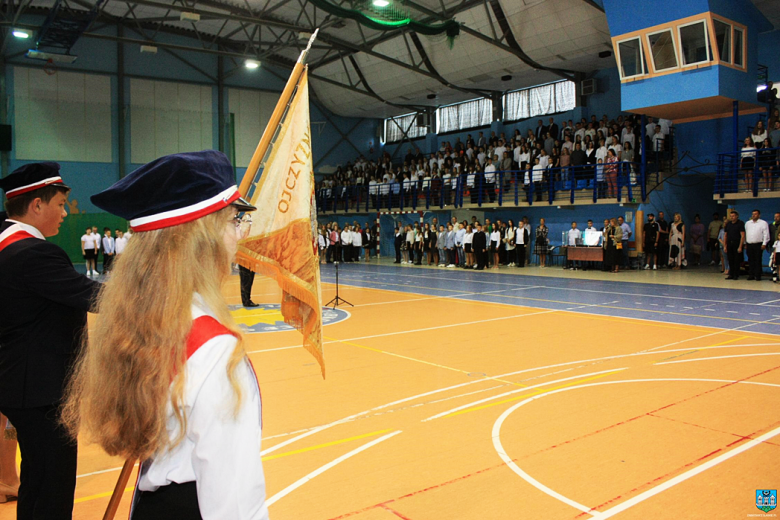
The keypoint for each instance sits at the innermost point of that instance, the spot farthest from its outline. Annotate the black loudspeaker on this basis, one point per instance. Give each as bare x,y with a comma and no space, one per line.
5,138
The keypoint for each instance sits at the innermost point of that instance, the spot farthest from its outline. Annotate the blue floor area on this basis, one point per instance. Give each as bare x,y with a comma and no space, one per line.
745,310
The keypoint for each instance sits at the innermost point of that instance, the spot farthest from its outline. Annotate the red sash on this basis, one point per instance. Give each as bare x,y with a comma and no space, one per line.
14,237
203,329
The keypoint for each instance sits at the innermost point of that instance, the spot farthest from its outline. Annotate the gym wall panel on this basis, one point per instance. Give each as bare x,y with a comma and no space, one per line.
167,118
63,117
251,111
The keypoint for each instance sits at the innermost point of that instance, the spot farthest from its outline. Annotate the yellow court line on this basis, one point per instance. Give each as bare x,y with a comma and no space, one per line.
327,444
420,361
538,392
99,495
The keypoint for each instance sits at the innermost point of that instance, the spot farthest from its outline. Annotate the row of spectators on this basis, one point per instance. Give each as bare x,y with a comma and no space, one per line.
760,157
587,147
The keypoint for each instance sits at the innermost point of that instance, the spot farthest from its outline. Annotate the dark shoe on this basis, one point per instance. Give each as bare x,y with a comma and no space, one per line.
751,278
758,279
250,303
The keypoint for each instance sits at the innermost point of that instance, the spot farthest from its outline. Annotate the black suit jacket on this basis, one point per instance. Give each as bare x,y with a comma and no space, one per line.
553,129
479,242
43,316
540,132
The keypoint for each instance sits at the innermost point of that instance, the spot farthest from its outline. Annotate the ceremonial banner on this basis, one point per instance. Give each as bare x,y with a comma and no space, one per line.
283,240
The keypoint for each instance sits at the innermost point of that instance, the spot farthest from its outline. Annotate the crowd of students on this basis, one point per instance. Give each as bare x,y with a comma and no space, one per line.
547,157
92,244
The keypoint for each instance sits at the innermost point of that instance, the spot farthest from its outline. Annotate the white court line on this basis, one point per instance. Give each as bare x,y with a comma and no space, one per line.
418,330
685,476
102,471
711,302
642,496
720,330
520,390
292,487
720,357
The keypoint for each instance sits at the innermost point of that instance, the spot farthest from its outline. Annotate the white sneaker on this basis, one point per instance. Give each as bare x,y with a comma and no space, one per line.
655,268
451,265
647,266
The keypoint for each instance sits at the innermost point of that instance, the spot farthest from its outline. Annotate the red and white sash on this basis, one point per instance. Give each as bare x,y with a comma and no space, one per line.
12,235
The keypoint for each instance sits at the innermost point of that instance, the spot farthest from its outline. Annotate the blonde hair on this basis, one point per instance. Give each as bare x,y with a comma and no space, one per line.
132,365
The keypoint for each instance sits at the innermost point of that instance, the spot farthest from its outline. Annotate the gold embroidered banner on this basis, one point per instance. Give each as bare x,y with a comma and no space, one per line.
282,243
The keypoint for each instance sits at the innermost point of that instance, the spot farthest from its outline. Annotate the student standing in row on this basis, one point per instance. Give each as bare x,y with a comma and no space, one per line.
43,316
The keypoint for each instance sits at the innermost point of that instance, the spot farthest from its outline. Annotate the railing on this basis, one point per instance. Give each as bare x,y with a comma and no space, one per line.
747,172
620,181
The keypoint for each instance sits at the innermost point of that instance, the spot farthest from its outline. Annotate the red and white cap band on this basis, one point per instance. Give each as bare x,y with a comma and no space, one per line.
175,217
21,190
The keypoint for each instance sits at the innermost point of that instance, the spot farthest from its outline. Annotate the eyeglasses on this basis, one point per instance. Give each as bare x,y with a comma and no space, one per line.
242,225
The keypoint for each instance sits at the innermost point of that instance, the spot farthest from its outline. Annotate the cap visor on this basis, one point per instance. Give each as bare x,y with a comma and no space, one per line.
242,205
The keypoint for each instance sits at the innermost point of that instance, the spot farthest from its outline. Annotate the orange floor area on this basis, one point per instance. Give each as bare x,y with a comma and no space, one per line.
437,408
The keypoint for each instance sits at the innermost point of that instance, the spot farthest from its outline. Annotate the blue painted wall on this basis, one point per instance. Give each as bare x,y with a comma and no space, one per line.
100,56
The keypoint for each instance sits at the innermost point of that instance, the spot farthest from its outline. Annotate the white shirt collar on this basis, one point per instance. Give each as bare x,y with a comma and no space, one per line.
27,227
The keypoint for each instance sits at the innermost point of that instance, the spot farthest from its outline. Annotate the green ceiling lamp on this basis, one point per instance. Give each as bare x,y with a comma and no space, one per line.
387,15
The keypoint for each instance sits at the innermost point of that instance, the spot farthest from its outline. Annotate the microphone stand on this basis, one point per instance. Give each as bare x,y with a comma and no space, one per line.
337,300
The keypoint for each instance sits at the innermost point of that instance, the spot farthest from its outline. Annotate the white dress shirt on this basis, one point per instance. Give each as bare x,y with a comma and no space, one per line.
120,244
756,232
220,452
574,235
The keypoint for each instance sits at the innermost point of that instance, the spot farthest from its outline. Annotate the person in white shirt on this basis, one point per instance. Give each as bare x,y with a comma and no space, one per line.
522,237
495,242
468,239
490,181
509,243
89,252
120,243
481,157
108,250
756,240
573,237
601,151
346,244
357,243
537,176
174,368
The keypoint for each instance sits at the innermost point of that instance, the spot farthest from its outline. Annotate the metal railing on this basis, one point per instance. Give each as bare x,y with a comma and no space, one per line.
620,181
747,172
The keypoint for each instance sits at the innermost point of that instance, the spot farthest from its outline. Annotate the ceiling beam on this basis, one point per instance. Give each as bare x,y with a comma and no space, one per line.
465,5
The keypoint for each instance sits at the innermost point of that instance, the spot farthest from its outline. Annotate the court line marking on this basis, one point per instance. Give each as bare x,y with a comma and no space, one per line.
594,290
459,324
538,392
467,372
599,305
326,445
452,411
99,495
109,470
317,429
322,469
685,476
720,357
496,435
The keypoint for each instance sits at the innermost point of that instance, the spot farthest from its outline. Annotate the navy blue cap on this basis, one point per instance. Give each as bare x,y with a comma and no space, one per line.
172,190
31,177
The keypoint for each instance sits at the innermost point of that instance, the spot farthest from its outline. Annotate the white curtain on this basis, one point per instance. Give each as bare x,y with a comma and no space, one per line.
469,114
539,101
396,126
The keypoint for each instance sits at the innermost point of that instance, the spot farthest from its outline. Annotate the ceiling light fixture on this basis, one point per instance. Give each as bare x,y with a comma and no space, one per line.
22,34
186,16
381,3
252,64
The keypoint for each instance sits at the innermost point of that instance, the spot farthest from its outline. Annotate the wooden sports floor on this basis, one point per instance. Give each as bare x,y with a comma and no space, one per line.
465,395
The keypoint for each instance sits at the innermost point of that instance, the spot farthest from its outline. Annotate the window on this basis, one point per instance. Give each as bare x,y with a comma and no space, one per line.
469,114
739,47
723,40
694,43
538,101
396,127
632,62
663,50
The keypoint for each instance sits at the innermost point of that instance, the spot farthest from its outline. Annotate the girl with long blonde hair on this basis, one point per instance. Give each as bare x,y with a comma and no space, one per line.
164,377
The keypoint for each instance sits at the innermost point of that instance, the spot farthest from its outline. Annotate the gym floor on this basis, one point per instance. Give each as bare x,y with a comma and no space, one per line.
533,394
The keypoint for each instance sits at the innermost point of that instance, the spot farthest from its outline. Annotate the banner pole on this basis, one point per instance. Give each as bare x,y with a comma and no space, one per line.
273,122
119,489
